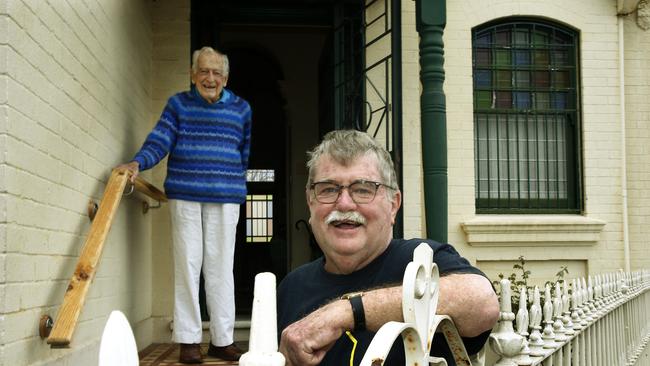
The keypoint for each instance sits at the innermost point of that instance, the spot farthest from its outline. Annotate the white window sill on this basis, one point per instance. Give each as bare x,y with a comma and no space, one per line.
532,230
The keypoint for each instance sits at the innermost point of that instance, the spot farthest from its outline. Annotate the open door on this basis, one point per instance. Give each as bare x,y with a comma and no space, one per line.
361,76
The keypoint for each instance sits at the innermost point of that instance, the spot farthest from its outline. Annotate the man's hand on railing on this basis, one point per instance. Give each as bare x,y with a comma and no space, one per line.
306,341
133,167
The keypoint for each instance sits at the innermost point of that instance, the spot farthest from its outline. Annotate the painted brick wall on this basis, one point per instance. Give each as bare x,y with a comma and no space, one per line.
3,190
637,110
75,82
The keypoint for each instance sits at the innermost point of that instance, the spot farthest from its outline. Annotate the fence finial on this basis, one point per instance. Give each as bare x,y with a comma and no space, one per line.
587,294
558,307
503,340
536,343
522,321
548,336
566,313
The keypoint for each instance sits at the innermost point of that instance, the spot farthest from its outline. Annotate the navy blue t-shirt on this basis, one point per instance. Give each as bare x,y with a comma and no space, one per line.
309,287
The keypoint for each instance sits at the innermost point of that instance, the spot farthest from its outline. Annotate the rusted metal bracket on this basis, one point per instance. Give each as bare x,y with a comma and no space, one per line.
146,206
149,190
92,209
45,326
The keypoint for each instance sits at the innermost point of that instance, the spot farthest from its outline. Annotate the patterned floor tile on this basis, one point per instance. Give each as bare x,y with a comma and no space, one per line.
165,354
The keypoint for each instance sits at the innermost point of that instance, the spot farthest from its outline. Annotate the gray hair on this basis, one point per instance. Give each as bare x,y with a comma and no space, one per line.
345,146
210,50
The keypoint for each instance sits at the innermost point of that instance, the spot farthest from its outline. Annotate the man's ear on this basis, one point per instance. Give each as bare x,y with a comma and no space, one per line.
395,205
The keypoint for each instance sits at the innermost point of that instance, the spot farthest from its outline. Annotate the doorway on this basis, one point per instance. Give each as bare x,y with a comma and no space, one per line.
299,63
274,66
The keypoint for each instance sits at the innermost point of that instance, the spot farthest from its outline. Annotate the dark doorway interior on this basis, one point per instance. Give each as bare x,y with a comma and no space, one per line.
257,76
257,82
265,41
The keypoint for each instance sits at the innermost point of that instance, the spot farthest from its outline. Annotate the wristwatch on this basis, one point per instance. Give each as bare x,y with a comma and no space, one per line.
357,309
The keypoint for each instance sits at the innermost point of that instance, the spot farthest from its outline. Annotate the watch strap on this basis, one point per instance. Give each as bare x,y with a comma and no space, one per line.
358,312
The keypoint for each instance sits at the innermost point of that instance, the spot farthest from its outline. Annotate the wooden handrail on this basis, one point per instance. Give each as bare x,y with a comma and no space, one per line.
75,295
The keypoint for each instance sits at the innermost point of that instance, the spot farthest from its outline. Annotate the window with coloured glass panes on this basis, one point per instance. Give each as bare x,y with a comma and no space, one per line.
259,208
526,117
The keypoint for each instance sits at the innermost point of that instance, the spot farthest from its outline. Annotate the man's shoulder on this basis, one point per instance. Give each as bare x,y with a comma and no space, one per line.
445,256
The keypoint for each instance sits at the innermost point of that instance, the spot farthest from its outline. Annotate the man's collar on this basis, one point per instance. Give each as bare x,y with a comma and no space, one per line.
223,98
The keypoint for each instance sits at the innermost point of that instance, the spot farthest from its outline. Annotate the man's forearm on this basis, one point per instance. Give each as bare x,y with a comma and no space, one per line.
467,298
381,306
470,301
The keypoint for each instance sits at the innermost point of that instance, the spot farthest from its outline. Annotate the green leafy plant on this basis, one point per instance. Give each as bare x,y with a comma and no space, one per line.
559,276
519,278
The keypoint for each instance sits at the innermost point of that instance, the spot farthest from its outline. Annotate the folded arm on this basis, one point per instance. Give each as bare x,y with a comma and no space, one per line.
467,298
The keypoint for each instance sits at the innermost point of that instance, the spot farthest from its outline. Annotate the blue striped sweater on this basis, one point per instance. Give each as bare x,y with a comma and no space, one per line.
208,147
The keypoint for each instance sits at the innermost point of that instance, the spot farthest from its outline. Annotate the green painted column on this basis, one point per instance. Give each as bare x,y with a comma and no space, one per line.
431,19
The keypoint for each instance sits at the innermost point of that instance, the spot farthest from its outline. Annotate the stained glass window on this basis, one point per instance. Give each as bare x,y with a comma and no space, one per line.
526,117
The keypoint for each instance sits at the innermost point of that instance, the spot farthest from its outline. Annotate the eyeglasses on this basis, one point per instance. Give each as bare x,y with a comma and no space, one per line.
361,191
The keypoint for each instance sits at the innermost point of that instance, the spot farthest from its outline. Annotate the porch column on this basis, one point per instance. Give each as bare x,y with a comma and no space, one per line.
430,24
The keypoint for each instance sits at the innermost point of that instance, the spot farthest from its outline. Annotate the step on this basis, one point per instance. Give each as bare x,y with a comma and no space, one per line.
241,333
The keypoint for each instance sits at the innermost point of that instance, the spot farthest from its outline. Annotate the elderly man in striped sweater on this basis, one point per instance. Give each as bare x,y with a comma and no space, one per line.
206,132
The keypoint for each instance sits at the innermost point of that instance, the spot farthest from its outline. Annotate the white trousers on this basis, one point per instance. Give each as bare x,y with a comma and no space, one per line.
204,237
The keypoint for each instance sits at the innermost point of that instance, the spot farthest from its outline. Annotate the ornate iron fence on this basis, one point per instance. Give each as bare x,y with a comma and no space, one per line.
603,321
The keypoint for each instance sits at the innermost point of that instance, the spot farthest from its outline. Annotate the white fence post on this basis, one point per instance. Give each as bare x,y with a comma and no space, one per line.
503,340
263,341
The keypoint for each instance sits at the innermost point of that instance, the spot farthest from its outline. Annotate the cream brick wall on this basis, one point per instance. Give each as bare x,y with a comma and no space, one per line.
75,81
596,23
637,111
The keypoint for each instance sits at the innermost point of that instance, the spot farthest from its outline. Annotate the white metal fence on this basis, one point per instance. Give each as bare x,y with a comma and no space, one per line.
603,321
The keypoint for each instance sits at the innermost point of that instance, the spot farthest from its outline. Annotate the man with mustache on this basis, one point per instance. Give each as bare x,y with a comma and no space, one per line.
353,198
206,131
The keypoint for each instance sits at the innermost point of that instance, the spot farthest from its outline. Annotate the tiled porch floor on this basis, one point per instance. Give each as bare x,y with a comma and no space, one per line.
166,354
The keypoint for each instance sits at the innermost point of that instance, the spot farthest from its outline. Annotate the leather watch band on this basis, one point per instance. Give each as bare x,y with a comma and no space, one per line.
358,312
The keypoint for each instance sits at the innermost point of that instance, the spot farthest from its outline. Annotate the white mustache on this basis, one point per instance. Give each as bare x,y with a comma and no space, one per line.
352,216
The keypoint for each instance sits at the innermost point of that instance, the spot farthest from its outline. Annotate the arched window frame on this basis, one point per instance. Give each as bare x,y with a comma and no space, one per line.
526,117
